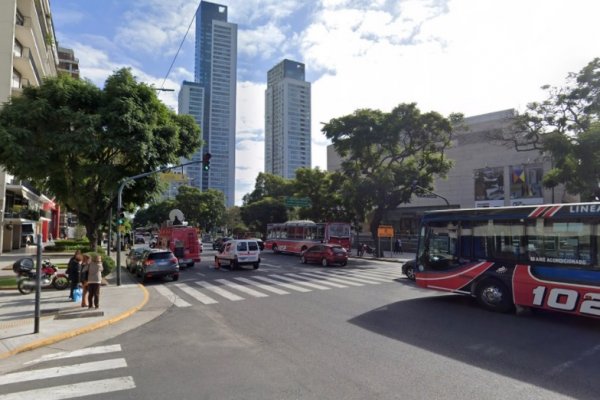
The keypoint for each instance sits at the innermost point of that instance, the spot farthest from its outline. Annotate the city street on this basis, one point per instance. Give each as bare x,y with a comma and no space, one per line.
294,331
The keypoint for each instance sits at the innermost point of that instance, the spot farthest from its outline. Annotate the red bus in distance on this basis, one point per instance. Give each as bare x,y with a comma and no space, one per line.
296,236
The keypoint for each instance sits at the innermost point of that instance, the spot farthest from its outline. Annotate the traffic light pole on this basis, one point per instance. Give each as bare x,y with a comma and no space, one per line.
120,205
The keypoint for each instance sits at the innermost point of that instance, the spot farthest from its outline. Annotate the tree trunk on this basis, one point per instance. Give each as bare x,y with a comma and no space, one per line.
375,222
92,233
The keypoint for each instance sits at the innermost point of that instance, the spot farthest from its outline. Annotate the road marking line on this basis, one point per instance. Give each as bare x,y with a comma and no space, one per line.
394,274
262,286
220,291
74,390
321,281
74,369
352,278
328,278
76,353
285,285
360,275
242,288
305,283
176,300
201,297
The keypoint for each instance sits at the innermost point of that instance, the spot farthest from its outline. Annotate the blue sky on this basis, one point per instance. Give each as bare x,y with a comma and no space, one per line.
469,56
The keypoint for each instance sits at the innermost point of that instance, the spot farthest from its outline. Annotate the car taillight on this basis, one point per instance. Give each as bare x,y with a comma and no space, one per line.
149,262
174,260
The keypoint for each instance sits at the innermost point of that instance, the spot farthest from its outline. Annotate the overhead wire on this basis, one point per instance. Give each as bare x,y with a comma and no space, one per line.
180,46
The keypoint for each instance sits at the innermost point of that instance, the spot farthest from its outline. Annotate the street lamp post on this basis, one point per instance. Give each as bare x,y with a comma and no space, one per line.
415,186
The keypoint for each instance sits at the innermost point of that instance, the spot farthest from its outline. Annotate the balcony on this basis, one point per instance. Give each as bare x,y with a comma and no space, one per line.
22,213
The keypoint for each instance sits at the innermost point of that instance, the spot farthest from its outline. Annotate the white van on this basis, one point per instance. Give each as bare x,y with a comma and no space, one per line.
239,252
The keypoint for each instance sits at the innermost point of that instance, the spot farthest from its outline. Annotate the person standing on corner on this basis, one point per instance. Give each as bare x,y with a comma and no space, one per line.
84,278
74,271
94,280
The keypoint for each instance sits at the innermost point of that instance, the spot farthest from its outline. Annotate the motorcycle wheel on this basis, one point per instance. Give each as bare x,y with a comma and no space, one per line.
25,285
60,283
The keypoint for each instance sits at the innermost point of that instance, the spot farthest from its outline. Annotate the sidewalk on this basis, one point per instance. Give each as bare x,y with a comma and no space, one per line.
60,318
387,256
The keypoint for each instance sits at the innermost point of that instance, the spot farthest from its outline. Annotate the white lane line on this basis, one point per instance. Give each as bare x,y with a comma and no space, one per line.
262,286
327,278
76,353
285,285
201,297
384,274
242,288
36,374
220,291
305,283
74,390
352,278
173,298
360,275
321,281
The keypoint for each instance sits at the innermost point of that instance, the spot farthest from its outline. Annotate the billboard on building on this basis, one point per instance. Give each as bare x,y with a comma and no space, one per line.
489,187
526,184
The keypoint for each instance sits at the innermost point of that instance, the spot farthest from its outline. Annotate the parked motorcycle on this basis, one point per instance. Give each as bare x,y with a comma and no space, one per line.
365,248
26,283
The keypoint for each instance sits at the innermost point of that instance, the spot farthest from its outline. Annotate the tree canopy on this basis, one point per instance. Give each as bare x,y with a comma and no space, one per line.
566,127
386,154
77,142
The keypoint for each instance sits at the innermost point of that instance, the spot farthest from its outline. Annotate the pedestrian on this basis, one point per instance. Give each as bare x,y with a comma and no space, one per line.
74,271
84,278
398,246
94,271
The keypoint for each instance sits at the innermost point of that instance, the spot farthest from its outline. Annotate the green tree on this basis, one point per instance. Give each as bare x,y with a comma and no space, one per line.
233,220
269,185
154,214
77,142
566,127
386,153
324,189
258,214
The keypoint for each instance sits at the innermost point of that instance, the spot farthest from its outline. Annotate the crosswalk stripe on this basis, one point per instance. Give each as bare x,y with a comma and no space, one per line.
262,286
360,275
25,376
178,301
220,291
201,297
76,353
321,281
242,288
74,390
354,278
326,277
305,283
285,285
388,275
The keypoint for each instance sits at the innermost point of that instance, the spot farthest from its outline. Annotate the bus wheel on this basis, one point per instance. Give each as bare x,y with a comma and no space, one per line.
494,296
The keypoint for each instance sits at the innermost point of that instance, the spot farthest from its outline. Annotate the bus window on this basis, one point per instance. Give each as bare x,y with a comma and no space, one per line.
466,241
562,242
440,246
320,234
481,244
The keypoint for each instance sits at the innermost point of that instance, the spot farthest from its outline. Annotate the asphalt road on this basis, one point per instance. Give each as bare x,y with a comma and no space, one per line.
376,337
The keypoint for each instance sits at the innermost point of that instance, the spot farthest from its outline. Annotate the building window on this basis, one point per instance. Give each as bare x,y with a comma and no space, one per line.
16,79
20,20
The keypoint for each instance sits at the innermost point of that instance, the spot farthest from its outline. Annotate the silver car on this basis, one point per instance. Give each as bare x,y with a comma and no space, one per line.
157,264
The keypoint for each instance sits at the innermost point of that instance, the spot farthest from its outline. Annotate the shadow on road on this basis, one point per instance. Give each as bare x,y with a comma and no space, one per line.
558,352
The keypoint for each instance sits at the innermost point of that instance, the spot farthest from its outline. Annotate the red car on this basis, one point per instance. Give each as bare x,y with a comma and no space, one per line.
325,254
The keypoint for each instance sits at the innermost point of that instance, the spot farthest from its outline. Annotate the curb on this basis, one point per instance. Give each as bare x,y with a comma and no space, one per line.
89,328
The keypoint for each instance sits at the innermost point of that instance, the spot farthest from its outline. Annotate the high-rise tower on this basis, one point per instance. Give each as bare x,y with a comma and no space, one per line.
215,71
287,120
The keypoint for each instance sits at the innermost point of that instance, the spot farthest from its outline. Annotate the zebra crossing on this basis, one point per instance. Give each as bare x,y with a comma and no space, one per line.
76,388
236,289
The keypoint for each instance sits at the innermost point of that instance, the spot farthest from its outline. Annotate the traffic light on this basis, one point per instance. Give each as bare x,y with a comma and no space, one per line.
206,161
121,217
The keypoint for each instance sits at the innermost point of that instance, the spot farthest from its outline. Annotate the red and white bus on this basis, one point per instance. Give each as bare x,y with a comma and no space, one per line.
296,236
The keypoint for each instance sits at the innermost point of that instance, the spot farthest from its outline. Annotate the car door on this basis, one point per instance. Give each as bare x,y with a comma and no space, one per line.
312,254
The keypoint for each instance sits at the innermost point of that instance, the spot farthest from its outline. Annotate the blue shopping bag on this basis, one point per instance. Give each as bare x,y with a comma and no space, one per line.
77,294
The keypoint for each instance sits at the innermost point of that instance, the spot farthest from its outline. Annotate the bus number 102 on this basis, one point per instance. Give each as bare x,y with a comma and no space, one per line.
567,299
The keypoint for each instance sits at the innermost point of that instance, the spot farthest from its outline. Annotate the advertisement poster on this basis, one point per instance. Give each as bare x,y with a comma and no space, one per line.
489,187
526,184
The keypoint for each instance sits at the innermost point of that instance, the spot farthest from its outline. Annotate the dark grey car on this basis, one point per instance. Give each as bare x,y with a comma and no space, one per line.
157,264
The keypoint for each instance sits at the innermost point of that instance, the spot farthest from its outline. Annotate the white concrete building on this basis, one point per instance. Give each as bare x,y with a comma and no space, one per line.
28,53
287,120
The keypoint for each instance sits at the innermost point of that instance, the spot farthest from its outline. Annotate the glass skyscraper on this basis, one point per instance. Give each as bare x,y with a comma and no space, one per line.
215,71
287,120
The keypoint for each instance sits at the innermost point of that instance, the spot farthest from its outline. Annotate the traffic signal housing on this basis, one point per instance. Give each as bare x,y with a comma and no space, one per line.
206,161
121,217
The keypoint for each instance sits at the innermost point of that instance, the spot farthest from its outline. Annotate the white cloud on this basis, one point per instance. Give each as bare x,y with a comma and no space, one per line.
263,41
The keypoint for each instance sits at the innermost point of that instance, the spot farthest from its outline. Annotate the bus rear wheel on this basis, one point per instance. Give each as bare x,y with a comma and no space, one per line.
494,296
